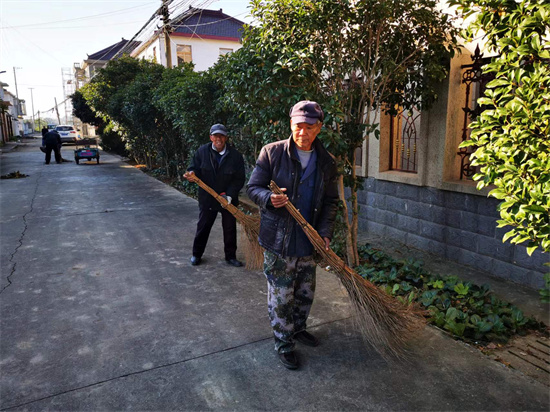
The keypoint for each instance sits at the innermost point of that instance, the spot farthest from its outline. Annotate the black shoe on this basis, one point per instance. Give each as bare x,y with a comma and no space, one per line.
234,262
306,338
289,360
195,260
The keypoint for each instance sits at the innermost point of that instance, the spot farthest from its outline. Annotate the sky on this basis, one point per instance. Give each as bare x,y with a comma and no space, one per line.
41,37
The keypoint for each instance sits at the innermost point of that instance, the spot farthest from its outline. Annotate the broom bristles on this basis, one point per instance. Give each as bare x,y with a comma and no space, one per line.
382,320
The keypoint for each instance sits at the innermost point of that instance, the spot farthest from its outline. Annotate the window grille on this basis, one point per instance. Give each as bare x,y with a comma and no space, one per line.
184,54
476,83
404,141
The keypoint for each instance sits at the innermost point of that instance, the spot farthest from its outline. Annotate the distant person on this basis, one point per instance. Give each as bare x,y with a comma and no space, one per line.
52,141
220,166
44,131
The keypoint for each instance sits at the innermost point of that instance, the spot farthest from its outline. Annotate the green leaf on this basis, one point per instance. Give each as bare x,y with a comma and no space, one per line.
395,289
531,249
484,326
451,314
498,193
508,235
461,289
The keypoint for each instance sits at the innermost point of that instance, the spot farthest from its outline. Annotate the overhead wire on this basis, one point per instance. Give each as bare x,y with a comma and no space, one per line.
33,43
84,27
84,17
153,17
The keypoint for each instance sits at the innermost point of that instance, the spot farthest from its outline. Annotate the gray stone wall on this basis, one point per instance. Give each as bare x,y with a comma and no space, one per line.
458,226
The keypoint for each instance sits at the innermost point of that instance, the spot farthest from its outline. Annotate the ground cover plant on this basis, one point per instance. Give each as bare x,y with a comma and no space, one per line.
468,311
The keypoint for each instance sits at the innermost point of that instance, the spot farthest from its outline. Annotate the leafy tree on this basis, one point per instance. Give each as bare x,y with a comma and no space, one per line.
124,92
353,57
256,95
512,135
83,111
188,99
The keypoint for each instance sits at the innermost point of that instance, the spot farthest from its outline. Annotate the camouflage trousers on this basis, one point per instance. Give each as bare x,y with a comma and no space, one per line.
290,286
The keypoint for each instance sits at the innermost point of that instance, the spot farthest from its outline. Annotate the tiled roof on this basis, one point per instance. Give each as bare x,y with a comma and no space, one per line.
208,23
109,52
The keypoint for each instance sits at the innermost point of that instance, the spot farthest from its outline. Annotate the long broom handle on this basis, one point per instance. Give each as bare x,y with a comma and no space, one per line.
332,258
221,200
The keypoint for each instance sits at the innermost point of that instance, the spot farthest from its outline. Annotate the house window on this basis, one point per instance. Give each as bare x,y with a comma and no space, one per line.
184,54
225,51
404,141
154,54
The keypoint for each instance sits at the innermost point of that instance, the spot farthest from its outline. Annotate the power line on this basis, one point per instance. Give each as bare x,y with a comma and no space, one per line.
81,18
153,17
23,37
83,27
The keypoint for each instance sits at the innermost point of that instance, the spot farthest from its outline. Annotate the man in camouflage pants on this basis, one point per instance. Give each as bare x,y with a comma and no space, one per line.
302,168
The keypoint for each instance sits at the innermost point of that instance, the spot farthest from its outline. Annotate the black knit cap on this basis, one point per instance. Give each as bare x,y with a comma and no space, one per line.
306,111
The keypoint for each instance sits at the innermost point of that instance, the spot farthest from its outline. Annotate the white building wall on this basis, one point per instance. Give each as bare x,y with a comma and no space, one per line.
154,51
13,110
205,52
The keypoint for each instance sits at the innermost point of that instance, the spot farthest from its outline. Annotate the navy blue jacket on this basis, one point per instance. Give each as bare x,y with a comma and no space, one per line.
278,162
227,176
52,138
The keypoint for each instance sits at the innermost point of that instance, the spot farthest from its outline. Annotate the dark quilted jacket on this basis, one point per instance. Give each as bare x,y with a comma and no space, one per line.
277,162
229,177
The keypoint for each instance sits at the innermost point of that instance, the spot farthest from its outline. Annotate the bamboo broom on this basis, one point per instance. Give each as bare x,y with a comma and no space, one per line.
251,224
384,322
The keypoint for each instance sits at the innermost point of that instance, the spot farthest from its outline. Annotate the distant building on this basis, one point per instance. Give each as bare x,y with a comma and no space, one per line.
200,36
99,59
12,111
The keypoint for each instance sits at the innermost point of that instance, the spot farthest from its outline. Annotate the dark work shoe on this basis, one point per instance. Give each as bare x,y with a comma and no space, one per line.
195,260
306,338
289,360
234,262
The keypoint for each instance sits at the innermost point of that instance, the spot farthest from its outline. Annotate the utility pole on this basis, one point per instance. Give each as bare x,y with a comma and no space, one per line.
15,79
166,30
32,102
18,106
57,111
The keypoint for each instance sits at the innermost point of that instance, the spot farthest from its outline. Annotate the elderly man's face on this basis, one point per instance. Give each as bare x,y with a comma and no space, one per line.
218,140
304,134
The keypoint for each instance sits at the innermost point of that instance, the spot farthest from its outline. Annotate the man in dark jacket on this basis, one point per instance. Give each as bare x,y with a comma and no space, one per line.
52,141
220,166
303,168
44,131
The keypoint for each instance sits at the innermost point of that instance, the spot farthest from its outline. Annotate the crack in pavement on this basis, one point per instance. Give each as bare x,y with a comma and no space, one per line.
126,375
20,240
95,212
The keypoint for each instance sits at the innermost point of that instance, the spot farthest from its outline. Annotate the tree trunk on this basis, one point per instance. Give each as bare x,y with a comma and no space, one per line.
354,261
351,249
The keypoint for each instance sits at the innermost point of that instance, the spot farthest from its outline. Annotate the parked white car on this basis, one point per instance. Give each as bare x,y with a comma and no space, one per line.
68,133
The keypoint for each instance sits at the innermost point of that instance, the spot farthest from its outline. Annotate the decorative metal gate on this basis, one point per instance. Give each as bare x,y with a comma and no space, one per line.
404,141
476,82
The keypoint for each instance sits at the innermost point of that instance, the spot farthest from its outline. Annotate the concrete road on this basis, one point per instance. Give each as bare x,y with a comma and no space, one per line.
101,310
